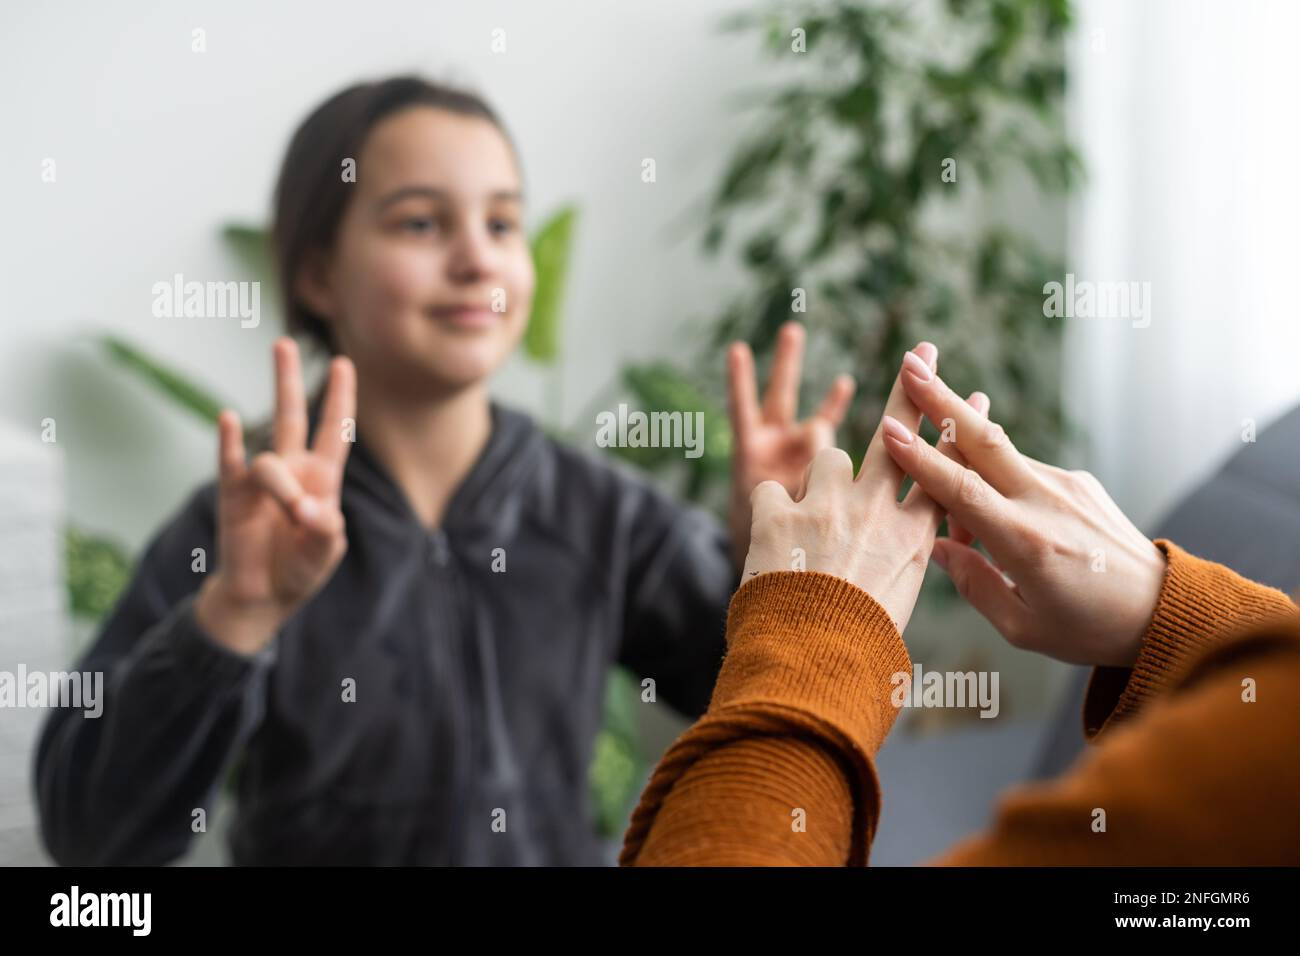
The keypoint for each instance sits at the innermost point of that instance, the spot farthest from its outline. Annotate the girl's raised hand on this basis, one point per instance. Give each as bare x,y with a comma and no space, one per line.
280,530
770,443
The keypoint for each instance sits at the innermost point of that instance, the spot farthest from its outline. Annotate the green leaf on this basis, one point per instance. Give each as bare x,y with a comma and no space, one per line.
855,103
172,384
96,572
714,236
761,250
660,387
252,246
748,171
617,765
551,249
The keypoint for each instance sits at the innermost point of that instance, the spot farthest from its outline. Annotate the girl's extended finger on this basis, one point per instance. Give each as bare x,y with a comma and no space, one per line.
742,392
781,400
838,398
230,448
290,431
336,429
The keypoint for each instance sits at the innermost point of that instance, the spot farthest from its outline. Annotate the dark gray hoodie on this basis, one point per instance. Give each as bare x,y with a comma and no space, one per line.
478,691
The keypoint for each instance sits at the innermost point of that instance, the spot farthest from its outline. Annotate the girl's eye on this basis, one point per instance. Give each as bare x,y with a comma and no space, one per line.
420,225
502,227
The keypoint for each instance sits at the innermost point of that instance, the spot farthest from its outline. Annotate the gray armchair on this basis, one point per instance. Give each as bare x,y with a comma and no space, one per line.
1247,516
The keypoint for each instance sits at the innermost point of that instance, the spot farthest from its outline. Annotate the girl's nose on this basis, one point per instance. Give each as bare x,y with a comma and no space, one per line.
472,254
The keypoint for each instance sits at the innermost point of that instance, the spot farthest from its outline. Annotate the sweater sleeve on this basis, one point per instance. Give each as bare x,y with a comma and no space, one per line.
780,769
1200,605
1206,777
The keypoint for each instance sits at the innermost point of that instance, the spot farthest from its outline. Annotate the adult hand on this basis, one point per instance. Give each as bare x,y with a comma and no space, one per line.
280,531
1070,576
854,528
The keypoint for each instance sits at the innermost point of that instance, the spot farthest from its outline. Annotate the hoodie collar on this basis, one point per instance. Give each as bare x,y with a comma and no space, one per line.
484,504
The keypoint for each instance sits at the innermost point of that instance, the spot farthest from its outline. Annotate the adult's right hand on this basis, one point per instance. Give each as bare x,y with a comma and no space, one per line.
1071,577
280,530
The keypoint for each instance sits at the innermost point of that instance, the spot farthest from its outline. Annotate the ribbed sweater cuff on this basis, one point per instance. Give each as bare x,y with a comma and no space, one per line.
815,642
1200,605
808,656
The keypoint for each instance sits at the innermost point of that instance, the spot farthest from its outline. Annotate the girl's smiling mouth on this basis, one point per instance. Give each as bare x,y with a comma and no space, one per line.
469,317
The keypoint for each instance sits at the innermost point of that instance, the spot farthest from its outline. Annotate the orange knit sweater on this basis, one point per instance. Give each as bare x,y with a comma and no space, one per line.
1187,770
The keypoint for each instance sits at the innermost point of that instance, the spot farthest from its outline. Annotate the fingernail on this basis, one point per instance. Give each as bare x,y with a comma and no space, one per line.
940,554
308,508
916,365
929,353
896,430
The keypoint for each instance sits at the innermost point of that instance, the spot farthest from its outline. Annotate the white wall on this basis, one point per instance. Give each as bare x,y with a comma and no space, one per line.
31,620
1185,110
156,146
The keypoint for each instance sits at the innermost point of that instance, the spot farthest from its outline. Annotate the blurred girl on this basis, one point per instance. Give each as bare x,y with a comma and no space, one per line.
412,597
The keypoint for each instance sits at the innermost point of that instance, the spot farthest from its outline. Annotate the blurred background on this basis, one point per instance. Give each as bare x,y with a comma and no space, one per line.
918,169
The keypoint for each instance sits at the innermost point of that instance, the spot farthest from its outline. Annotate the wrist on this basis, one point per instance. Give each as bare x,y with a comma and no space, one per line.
242,626
740,519
1150,585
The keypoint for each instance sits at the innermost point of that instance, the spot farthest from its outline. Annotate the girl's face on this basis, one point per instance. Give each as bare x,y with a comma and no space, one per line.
430,281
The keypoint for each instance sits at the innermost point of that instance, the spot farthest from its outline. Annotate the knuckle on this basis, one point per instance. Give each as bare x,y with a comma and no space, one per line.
778,520
960,576
829,523
1063,500
764,491
993,436
263,463
971,489
1015,635
833,464
1037,545
1085,479
925,456
919,559
833,457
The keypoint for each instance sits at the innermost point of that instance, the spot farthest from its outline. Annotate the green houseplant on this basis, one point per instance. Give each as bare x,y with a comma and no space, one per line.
853,205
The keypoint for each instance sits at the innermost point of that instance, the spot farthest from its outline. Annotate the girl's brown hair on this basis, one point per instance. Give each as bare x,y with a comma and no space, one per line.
310,194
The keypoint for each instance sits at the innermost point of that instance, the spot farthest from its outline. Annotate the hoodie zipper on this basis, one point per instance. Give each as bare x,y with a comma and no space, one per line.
443,608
